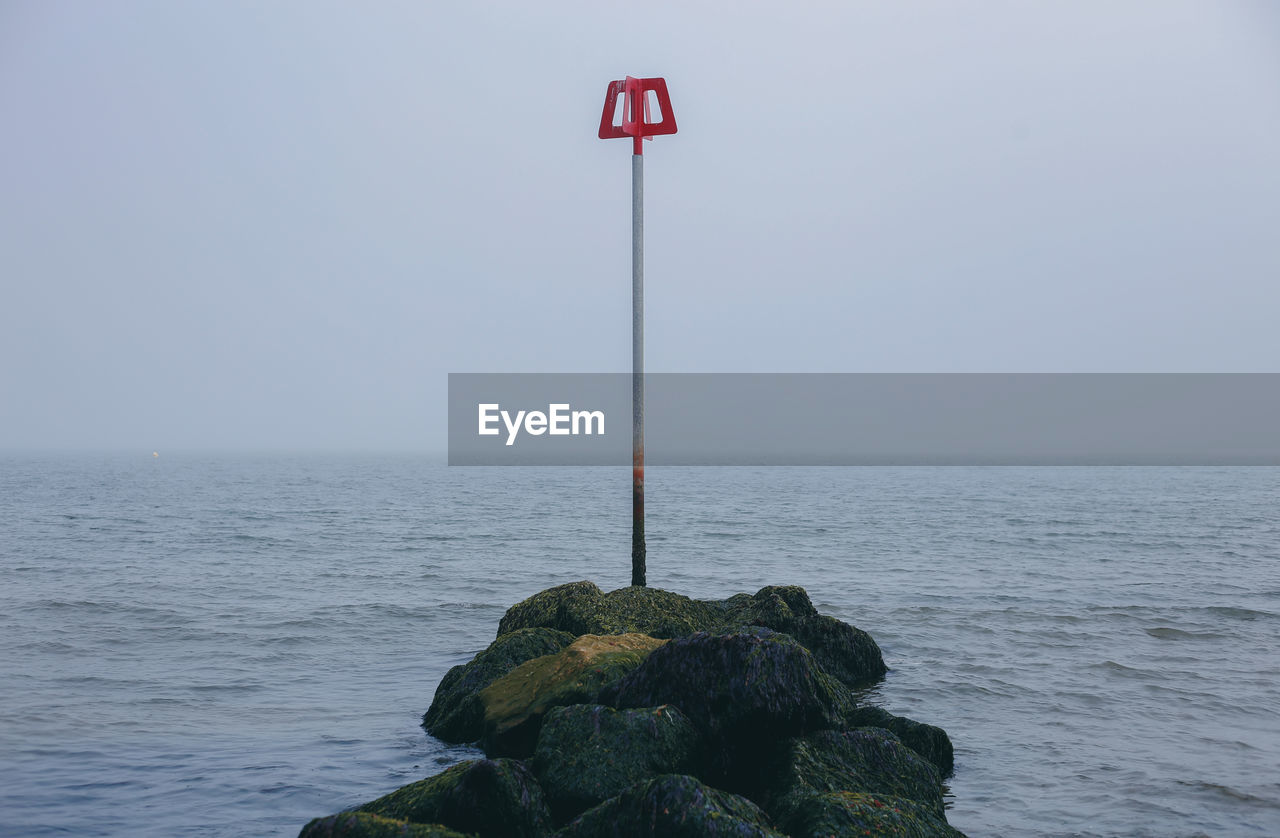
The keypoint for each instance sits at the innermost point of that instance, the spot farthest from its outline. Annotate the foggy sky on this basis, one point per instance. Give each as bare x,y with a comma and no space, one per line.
280,225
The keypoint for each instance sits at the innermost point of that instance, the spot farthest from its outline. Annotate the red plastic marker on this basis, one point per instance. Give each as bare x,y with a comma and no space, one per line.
637,111
641,96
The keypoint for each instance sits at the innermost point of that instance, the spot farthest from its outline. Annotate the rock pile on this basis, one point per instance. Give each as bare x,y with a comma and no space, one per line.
642,712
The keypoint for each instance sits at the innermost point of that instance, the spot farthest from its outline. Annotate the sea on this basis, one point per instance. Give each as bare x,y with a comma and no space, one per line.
212,644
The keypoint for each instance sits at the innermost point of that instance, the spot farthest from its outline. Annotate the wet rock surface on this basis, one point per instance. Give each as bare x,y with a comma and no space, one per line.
588,753
846,813
868,759
582,608
642,712
929,741
482,797
515,703
456,714
365,825
672,806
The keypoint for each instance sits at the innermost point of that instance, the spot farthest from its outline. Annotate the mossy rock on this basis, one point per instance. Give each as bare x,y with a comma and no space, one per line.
725,682
929,741
569,607
771,604
846,652
581,608
654,612
867,760
365,825
456,714
587,753
491,798
846,814
743,691
672,806
515,703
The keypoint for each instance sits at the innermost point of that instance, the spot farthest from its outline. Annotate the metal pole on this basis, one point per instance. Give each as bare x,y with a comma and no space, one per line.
637,369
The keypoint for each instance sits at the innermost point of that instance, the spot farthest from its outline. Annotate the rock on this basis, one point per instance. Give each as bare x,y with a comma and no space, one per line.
929,741
672,806
456,714
587,753
868,760
365,825
487,797
743,691
846,814
580,608
728,682
622,698
844,651
515,703
568,608
770,604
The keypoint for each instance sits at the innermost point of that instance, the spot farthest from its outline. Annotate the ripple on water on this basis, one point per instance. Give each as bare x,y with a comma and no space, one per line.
247,644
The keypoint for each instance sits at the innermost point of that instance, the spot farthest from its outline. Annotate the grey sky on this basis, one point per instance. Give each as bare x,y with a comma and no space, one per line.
281,224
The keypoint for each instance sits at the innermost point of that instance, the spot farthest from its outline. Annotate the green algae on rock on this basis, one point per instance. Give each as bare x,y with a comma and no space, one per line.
581,608
570,607
845,813
587,753
672,806
929,741
742,691
869,760
365,825
736,682
487,797
772,603
456,714
747,704
515,703
846,652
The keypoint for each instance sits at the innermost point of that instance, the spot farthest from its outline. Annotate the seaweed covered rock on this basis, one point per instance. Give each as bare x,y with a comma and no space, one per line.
622,698
770,604
672,806
486,797
742,691
587,753
929,741
581,608
868,760
515,703
846,814
569,607
456,714
365,825
846,652
732,682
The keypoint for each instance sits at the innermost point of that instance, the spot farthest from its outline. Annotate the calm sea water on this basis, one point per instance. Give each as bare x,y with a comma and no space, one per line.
222,645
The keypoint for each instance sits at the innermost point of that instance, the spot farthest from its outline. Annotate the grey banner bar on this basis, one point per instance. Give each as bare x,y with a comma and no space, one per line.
870,419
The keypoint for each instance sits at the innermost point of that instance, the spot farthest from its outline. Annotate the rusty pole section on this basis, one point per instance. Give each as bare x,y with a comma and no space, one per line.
637,368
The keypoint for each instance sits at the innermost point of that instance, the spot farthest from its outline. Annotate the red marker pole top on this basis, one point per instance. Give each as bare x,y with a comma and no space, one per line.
641,98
